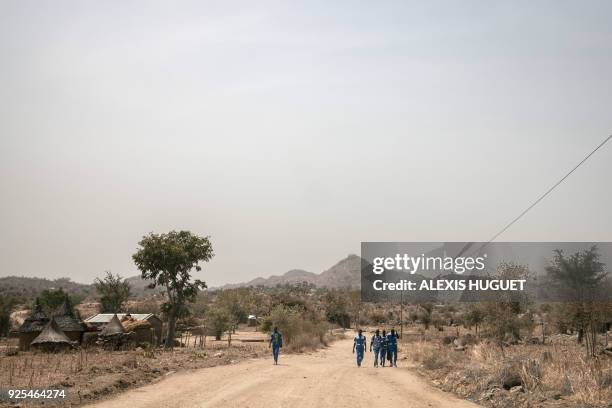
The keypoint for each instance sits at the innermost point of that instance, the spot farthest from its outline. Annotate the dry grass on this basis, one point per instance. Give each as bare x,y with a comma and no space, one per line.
94,373
558,373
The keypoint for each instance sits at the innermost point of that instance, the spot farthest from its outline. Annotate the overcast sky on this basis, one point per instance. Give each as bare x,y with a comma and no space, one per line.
291,131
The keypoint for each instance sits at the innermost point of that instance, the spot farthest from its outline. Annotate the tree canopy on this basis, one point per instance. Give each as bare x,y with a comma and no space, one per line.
114,292
168,260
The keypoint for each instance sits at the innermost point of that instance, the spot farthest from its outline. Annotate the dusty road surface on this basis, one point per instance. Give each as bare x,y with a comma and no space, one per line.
328,378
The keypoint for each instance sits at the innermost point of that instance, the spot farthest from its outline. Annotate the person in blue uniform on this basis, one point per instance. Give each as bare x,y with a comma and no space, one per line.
276,342
392,347
375,344
359,345
384,347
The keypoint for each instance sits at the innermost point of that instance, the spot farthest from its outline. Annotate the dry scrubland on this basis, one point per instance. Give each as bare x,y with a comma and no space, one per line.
94,373
555,374
91,374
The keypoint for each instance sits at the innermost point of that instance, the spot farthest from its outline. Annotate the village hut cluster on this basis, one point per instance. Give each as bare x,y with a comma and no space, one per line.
65,330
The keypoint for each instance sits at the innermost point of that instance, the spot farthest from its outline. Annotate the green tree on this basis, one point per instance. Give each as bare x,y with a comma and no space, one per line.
114,292
501,313
168,260
218,319
426,315
474,317
52,299
236,302
336,308
7,304
581,277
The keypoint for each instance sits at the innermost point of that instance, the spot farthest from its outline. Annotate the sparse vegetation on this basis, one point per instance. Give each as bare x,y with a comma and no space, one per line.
301,329
114,292
527,374
168,260
93,373
7,303
506,351
580,276
218,320
51,299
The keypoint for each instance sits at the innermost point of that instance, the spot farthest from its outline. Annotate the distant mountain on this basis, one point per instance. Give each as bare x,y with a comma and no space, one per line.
346,273
27,289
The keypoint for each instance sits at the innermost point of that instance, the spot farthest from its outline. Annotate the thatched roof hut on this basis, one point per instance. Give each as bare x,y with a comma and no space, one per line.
133,324
142,330
66,318
68,322
36,321
155,322
32,326
52,338
112,327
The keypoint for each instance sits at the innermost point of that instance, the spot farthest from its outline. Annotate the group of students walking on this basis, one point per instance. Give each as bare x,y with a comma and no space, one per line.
383,346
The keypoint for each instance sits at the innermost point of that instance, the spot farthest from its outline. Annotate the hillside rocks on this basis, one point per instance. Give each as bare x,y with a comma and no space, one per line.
346,273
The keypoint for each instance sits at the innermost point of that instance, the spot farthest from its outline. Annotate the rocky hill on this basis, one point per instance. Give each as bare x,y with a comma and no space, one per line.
27,288
346,273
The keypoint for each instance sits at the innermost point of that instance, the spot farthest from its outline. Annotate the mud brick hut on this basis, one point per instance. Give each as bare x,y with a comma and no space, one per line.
90,336
142,330
113,335
154,337
52,339
32,326
68,322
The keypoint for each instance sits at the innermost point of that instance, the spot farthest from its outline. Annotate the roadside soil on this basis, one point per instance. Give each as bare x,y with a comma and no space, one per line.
325,378
93,374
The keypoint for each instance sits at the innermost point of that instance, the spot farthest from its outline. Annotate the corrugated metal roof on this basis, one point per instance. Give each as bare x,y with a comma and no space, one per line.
106,317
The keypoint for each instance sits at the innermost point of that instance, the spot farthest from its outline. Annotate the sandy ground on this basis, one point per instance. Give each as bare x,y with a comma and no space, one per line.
326,378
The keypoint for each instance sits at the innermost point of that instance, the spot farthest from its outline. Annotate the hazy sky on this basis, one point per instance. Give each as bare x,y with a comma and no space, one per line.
291,131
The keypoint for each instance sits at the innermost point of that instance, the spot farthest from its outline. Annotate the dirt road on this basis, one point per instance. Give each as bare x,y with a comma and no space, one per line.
328,378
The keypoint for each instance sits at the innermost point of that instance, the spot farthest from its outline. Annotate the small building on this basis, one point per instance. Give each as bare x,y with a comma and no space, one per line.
114,326
90,336
142,330
68,322
252,320
101,319
52,339
32,326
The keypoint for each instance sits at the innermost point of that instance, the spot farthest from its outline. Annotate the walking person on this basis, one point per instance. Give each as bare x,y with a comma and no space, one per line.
384,345
276,343
392,348
359,344
375,344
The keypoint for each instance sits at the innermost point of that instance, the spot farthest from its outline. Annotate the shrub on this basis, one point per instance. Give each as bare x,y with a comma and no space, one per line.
300,329
433,360
218,320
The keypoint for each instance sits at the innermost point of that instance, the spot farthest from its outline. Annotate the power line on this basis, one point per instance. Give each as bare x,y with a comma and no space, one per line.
547,192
